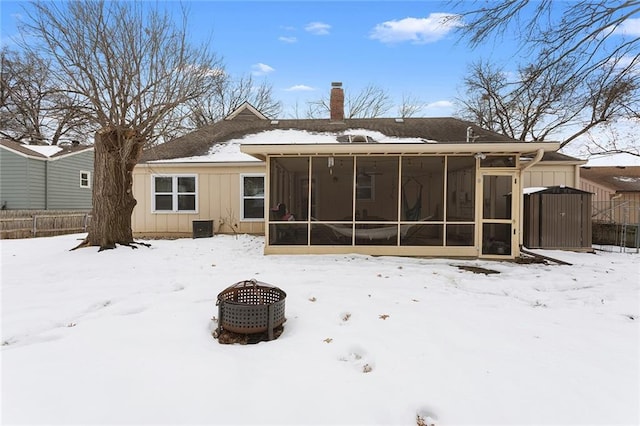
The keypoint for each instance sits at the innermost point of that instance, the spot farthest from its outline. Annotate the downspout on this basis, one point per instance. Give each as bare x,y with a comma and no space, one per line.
46,184
533,162
524,168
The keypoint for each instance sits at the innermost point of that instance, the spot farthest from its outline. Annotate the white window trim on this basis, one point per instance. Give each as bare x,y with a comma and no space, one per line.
371,187
88,173
242,196
174,193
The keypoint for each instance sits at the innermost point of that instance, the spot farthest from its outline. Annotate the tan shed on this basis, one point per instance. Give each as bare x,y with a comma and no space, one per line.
557,217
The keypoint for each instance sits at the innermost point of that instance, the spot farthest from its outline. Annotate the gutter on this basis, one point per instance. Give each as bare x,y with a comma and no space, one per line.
533,162
525,167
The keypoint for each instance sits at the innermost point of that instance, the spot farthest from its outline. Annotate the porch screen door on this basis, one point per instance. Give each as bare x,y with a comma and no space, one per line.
497,232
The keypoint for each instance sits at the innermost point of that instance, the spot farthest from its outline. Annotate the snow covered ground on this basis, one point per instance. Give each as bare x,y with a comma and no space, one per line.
124,337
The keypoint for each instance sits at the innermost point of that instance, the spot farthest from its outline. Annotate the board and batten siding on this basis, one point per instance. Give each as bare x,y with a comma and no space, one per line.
64,190
630,202
218,199
21,181
549,174
601,193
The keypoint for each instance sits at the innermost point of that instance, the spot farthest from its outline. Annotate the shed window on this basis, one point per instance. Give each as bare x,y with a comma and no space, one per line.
174,193
252,196
85,179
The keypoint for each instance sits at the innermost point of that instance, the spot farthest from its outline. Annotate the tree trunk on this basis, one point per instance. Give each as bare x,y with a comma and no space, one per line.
116,152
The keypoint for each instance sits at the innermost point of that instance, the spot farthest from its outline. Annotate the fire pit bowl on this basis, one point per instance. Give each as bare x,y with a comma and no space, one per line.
250,307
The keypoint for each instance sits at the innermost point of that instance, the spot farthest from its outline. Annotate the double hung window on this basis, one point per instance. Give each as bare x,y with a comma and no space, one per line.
85,179
252,196
175,193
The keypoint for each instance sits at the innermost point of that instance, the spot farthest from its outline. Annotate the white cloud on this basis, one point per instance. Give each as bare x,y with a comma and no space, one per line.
629,27
299,88
439,104
416,30
626,61
318,28
289,40
261,69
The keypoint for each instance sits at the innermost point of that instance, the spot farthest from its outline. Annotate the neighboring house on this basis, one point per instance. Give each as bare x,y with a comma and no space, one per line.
615,182
382,186
45,177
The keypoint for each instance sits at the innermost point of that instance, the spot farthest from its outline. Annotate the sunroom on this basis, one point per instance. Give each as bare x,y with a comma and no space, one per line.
410,199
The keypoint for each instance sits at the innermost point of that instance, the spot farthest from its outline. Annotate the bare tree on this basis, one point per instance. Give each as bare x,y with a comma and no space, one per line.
584,73
608,140
132,66
227,95
371,102
32,108
541,100
409,106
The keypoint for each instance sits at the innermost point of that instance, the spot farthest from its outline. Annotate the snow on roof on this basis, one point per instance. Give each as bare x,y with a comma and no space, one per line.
230,151
46,150
533,189
291,136
621,159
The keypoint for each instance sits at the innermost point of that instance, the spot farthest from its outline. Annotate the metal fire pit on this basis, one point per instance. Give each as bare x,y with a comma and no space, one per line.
250,307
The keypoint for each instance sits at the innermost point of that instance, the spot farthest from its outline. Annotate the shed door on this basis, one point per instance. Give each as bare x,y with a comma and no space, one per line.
498,225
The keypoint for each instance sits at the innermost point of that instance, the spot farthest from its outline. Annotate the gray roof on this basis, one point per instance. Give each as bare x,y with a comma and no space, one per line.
556,156
442,130
622,179
24,149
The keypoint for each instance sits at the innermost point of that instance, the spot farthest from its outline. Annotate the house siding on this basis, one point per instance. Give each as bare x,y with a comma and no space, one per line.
545,175
622,207
632,202
63,183
218,200
21,181
601,193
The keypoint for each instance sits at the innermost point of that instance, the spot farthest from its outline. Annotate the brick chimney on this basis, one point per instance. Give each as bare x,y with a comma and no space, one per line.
336,102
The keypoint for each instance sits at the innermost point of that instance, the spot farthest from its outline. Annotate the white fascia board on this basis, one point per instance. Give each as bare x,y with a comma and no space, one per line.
261,151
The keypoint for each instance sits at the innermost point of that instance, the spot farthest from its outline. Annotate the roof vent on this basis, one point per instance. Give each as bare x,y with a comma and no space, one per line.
355,139
399,120
274,122
471,136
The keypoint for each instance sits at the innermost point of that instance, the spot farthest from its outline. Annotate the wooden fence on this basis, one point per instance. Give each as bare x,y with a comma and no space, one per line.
41,223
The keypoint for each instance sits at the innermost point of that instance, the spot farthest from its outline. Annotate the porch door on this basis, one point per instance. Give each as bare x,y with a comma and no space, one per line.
498,224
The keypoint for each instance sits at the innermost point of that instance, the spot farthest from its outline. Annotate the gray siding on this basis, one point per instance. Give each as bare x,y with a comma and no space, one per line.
21,181
63,182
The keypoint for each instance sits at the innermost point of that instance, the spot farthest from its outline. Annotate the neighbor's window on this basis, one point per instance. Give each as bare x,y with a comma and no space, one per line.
174,193
252,188
85,179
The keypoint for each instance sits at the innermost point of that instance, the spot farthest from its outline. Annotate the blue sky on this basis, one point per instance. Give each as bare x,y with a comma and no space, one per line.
300,47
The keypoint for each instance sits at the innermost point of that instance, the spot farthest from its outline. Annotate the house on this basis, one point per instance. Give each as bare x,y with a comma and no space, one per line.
614,180
413,186
45,177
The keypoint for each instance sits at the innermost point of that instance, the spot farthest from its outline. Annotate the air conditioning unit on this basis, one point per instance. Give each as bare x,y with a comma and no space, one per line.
202,228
